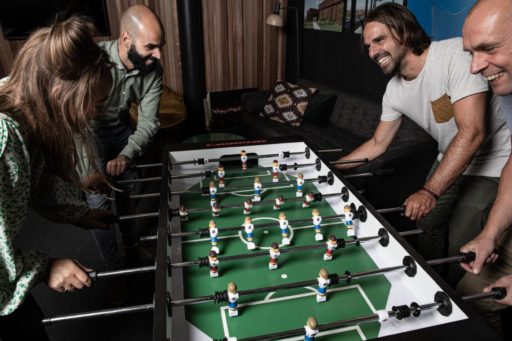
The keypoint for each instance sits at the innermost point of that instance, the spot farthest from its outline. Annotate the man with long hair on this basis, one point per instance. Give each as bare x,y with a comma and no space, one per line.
137,76
58,81
432,86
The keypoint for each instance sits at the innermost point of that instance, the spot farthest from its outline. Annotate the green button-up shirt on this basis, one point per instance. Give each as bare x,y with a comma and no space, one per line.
129,87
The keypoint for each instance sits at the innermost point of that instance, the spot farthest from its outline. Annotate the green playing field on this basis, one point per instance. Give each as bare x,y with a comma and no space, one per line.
285,309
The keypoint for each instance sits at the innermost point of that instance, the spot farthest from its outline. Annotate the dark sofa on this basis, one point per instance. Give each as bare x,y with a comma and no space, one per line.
352,122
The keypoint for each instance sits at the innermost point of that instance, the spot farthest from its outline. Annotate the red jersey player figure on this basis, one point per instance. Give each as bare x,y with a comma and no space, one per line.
214,264
247,206
278,202
300,184
215,209
317,220
274,255
348,220
243,158
249,233
220,175
214,232
332,244
283,225
323,282
275,171
308,200
183,213
311,329
232,299
213,193
257,189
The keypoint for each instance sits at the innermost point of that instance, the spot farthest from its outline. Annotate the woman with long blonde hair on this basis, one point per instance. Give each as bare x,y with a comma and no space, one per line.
58,83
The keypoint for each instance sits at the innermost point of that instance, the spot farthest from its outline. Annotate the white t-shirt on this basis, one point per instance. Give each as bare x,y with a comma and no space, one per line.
445,79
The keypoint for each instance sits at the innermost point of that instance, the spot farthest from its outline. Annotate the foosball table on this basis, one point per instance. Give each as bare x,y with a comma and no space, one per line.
262,240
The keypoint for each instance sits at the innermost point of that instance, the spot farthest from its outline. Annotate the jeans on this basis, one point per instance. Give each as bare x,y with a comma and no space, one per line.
459,216
109,143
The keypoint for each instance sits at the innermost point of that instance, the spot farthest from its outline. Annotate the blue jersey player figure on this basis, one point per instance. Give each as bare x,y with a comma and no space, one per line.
311,329
257,189
214,232
213,262
300,185
213,193
249,233
348,220
317,220
283,225
323,282
215,209
232,299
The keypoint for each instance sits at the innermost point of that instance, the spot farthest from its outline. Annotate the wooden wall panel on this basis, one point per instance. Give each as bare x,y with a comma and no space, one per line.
241,51
165,9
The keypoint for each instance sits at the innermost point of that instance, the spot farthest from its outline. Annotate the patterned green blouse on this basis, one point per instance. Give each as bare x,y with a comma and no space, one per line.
24,183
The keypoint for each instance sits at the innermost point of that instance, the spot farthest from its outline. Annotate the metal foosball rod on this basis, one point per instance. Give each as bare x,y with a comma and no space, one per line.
345,162
95,275
382,236
381,172
442,304
329,178
359,213
283,155
408,265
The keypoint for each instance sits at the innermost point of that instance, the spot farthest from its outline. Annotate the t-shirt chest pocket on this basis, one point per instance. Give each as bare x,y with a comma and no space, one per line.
442,108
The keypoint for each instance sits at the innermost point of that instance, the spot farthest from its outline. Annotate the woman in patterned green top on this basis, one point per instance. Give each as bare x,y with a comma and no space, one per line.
58,83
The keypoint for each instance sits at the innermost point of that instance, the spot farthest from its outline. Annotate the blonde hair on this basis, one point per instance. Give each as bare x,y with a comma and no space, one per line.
52,90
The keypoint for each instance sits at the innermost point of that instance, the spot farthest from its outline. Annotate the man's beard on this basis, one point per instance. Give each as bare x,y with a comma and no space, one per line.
139,62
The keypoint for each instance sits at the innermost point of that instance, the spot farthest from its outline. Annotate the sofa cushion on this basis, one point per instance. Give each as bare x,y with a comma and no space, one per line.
287,103
319,109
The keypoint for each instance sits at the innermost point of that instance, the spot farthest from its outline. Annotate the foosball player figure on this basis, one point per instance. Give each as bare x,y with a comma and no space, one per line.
183,213
232,299
311,329
214,264
220,176
278,202
283,225
214,232
308,200
332,244
215,209
274,255
348,220
249,233
317,220
247,206
275,171
213,193
243,158
300,185
323,282
257,189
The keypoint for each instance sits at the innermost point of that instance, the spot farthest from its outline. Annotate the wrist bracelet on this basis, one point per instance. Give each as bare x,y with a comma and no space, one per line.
435,196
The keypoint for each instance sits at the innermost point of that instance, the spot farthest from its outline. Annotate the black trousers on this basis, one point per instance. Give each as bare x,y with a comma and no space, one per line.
24,323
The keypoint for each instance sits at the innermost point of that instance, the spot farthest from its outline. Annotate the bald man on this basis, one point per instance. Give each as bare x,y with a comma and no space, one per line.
137,76
486,34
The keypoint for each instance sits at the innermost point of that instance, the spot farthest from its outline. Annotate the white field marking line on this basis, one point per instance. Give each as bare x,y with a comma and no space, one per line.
247,176
270,227
265,247
331,332
262,191
268,300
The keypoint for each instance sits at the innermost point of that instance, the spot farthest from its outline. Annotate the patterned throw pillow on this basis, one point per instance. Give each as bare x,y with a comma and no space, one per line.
287,103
